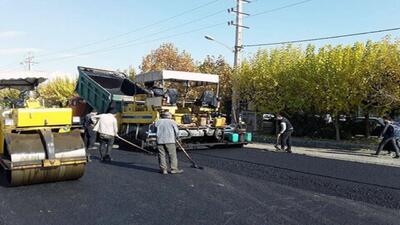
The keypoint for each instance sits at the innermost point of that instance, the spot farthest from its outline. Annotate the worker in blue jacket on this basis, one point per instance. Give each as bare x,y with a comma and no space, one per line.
388,136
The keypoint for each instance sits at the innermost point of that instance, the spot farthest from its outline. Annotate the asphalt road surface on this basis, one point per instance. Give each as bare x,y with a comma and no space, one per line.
237,186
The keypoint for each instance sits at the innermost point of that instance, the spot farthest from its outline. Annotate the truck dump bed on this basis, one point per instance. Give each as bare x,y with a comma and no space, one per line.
102,88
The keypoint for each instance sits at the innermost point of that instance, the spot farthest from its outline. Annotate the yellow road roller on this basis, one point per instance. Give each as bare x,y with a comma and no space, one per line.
38,144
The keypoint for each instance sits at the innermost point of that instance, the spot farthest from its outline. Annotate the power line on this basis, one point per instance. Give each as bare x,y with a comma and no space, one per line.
132,31
132,44
280,8
324,38
159,32
9,64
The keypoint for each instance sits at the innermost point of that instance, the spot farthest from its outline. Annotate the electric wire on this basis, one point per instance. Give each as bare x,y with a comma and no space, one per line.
124,34
279,8
132,31
133,44
126,43
323,38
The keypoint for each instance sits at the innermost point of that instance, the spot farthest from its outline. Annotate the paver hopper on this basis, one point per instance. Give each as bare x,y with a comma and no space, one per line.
38,144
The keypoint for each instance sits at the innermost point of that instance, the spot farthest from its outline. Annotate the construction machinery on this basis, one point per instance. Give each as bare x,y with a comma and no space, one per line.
192,98
38,144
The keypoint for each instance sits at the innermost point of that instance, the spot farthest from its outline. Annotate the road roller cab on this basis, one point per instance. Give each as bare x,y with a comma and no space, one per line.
38,144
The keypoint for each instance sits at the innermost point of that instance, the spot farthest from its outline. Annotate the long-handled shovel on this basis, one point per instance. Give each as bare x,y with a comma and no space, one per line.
136,146
101,154
277,143
194,165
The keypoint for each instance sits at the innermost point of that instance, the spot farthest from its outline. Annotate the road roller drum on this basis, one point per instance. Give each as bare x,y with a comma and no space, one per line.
31,162
43,175
39,144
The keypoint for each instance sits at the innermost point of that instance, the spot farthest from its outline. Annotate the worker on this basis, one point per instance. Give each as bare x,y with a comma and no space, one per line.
107,129
90,135
167,134
285,133
388,136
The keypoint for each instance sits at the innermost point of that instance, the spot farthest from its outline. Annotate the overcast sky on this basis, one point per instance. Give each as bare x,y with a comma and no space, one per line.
114,34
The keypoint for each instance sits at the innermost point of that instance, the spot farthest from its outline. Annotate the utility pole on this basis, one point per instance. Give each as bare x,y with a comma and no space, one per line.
29,61
238,47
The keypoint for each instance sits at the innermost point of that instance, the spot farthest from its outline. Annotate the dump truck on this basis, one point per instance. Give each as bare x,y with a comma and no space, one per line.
38,144
140,102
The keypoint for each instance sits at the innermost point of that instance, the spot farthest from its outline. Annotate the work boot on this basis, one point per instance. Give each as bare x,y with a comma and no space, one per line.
288,150
176,171
164,172
107,158
396,157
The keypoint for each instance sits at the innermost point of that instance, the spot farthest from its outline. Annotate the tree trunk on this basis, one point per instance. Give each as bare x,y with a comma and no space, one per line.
367,129
337,128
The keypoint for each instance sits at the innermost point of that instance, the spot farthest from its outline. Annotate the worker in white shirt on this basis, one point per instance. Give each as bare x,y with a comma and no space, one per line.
106,128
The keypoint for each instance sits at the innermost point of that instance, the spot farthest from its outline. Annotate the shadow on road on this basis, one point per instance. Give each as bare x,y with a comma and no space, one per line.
4,176
133,166
128,165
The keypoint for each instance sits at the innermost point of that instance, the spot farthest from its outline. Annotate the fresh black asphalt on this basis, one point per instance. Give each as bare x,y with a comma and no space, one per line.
237,186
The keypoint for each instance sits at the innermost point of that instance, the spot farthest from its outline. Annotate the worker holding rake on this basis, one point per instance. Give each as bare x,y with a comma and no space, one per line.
167,133
107,129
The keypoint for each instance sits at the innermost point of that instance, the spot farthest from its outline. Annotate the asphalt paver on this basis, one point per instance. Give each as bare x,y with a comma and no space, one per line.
237,186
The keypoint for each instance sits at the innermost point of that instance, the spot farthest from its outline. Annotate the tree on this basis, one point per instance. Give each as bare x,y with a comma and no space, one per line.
131,73
58,90
374,75
381,76
8,94
333,79
167,57
333,83
268,80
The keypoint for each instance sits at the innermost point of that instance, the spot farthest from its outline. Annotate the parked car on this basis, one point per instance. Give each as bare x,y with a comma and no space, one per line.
376,126
268,123
268,116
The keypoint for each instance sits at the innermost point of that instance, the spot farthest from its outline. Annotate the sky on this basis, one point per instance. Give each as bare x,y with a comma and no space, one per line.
117,34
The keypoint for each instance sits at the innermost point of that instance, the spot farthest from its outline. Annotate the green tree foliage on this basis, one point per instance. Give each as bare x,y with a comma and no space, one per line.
131,73
268,77
332,79
58,91
7,95
380,74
